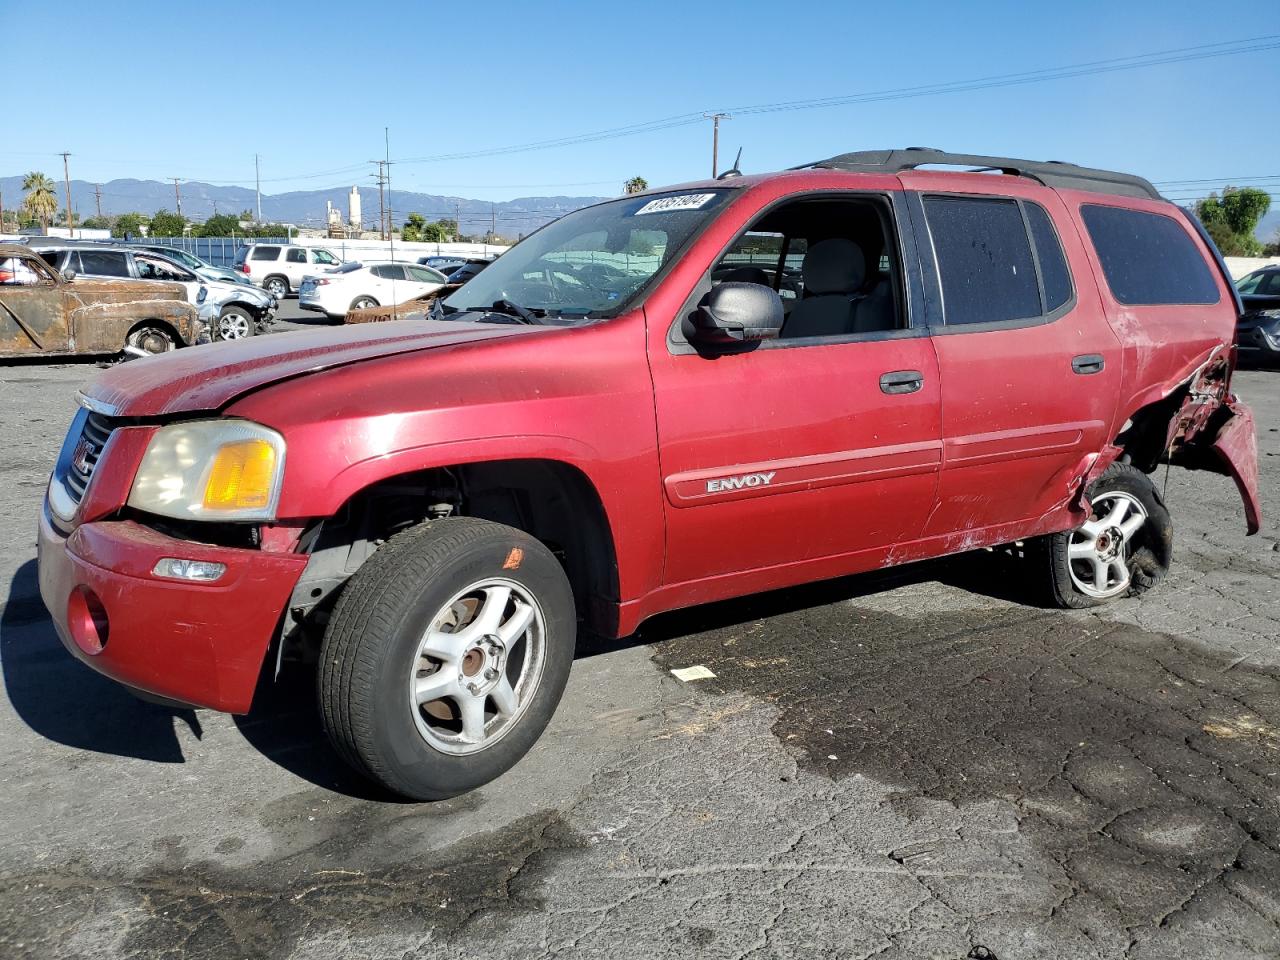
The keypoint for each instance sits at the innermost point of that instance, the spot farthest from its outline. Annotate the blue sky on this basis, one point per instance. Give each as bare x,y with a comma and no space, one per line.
158,90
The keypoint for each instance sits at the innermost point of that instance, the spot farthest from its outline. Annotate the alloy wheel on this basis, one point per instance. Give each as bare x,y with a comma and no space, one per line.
477,666
1098,552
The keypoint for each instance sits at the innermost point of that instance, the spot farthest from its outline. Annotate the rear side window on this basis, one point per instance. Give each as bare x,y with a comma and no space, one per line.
1053,264
265,253
1148,258
984,259
388,271
103,263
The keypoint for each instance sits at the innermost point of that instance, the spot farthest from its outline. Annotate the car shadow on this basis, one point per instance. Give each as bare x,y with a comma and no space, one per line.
64,701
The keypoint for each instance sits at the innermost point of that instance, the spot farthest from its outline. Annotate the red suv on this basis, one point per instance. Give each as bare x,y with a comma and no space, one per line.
658,401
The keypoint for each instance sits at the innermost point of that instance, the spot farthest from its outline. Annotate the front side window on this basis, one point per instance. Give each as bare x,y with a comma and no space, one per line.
594,262
831,261
323,256
1251,283
155,269
984,260
296,256
1148,258
425,275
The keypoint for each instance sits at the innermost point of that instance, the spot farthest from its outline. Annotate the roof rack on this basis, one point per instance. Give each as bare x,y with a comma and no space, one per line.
1051,173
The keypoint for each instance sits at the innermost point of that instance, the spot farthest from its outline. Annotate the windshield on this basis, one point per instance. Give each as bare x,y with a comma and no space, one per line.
594,261
1251,283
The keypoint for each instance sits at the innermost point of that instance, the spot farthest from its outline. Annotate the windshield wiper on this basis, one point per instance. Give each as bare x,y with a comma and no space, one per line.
510,308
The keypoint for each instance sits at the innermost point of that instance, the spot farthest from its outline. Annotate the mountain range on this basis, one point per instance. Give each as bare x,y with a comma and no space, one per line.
305,208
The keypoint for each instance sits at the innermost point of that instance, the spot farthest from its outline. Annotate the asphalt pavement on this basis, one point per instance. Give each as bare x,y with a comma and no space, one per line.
920,763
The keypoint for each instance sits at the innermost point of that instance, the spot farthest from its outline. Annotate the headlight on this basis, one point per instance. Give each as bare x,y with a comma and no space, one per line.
211,470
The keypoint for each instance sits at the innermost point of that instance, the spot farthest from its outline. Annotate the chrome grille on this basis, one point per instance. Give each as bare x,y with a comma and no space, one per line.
86,453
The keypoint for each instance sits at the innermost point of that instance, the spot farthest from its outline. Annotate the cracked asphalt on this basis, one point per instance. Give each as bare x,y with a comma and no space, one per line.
920,763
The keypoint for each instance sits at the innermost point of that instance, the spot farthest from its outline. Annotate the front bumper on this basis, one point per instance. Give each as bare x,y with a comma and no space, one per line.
197,643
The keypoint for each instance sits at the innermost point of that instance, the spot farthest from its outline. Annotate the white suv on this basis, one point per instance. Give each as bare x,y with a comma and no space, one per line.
280,267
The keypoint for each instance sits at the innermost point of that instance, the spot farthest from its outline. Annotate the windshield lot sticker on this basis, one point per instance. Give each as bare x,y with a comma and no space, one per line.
686,201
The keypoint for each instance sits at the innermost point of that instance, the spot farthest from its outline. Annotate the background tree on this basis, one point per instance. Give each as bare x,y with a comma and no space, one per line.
222,225
1232,218
40,202
97,223
636,185
442,231
414,226
128,225
167,224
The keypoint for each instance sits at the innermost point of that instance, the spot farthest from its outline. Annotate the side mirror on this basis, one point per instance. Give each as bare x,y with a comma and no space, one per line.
68,274
736,313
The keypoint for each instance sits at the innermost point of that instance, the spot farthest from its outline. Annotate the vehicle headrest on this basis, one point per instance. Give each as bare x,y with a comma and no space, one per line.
833,266
747,275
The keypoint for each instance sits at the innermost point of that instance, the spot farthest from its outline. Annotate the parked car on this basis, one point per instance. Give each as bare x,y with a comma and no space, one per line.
232,310
445,264
43,313
202,267
281,268
1258,330
354,286
431,511
468,269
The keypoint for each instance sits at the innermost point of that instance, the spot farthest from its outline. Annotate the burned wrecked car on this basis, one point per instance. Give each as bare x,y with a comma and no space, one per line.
45,313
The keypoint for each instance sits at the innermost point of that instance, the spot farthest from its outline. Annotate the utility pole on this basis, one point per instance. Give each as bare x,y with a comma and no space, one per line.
457,223
97,198
715,119
493,222
257,186
177,194
1,211
386,134
66,173
382,204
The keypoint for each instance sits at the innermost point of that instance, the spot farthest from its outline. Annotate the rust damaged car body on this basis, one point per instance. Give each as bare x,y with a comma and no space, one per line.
42,313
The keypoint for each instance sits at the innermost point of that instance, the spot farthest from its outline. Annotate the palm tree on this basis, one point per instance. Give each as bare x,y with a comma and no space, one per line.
41,201
636,185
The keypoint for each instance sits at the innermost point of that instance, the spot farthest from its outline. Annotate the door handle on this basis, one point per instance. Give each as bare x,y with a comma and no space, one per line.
1087,363
901,381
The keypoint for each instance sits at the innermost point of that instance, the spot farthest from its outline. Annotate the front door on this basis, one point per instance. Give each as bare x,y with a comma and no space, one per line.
809,447
33,314
1030,366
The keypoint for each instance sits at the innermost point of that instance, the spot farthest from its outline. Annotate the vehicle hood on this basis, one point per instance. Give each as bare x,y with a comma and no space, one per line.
90,290
209,377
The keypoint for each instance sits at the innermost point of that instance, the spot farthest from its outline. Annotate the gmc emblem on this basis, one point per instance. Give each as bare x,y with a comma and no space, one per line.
80,456
737,483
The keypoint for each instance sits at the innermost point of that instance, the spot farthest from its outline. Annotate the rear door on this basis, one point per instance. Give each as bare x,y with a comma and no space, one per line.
295,265
1030,367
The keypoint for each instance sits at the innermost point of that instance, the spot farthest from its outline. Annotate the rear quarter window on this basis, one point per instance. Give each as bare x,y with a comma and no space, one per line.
1148,259
265,253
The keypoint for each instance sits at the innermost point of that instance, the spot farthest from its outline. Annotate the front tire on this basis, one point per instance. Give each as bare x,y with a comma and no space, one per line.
446,656
150,339
1123,549
235,323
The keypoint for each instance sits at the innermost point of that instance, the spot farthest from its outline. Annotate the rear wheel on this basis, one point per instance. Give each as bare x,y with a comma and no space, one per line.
446,656
235,323
277,286
1124,548
361,303
149,339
